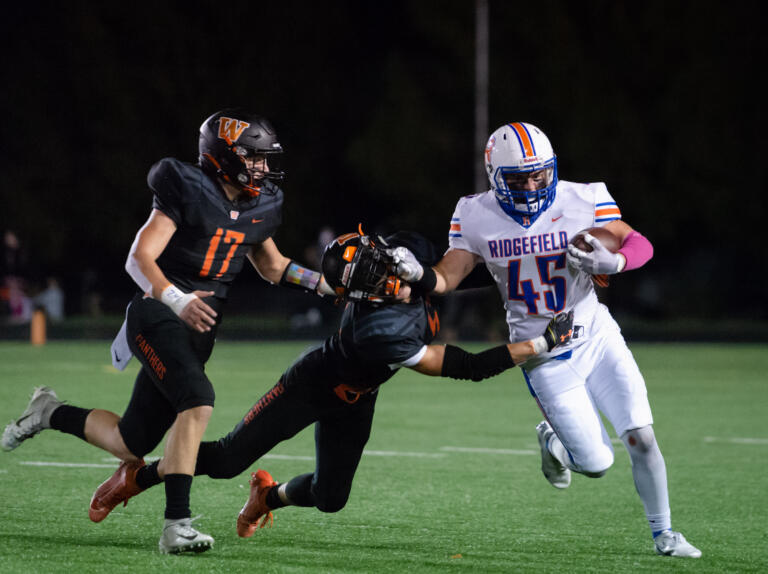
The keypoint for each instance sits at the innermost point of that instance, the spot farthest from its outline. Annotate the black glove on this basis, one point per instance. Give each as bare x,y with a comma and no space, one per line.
559,330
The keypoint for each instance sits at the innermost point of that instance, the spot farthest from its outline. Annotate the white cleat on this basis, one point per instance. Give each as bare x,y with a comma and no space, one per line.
36,418
179,536
555,472
671,543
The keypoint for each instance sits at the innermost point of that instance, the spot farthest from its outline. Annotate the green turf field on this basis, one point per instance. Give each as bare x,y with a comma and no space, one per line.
450,481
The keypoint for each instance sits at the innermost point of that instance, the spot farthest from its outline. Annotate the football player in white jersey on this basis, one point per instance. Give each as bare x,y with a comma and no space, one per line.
521,229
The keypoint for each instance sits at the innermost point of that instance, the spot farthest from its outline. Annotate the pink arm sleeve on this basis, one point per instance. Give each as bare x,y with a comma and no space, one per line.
637,250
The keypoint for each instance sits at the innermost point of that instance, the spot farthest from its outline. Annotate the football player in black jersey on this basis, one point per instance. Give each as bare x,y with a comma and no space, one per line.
335,386
206,220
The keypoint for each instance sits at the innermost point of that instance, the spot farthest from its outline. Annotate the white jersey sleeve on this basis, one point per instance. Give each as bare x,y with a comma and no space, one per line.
606,209
465,237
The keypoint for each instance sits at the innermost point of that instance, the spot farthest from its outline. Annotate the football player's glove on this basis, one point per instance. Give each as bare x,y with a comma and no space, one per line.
407,267
559,330
599,261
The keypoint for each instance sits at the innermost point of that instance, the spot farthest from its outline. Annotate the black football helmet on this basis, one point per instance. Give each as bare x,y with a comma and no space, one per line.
230,137
359,268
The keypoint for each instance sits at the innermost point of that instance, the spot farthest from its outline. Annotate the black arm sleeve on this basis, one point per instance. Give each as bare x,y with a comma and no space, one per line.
428,280
459,364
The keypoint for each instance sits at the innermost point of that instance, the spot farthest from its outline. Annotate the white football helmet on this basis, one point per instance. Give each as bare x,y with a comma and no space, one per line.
522,169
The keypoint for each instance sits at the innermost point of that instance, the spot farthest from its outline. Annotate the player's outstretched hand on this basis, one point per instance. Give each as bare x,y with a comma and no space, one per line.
407,266
596,262
559,330
197,313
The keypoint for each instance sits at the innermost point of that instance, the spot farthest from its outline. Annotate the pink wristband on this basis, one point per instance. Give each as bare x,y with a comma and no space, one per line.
637,250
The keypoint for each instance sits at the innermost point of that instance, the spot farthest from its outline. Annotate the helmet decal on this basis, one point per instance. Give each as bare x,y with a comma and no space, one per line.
524,139
230,129
489,149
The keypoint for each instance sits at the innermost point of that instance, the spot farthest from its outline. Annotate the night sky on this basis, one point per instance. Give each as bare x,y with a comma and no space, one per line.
374,105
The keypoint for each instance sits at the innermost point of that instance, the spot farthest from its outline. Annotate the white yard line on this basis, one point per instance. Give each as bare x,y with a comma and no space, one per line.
398,453
479,450
111,462
288,457
65,464
736,440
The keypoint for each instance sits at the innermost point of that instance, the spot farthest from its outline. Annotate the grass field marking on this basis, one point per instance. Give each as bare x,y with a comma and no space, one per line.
399,453
760,441
147,459
480,450
65,464
288,457
113,461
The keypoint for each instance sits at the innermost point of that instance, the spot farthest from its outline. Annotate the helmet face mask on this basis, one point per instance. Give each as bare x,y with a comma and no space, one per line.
242,149
258,165
522,169
359,269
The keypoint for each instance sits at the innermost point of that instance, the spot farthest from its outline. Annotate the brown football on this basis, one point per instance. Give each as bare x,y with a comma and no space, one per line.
608,239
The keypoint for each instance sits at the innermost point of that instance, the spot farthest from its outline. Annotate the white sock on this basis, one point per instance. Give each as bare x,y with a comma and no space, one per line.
556,448
650,474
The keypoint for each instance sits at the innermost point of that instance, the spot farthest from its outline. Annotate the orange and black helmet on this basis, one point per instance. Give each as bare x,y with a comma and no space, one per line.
358,268
230,137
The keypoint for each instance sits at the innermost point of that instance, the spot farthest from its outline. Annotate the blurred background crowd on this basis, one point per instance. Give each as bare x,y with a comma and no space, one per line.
377,105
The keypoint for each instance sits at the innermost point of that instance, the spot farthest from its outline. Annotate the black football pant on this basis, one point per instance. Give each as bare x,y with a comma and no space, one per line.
341,431
172,378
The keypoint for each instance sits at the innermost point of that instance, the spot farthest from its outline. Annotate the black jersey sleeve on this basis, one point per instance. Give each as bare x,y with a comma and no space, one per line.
166,181
391,334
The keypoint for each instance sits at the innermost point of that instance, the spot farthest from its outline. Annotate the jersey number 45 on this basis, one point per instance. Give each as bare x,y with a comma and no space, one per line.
554,287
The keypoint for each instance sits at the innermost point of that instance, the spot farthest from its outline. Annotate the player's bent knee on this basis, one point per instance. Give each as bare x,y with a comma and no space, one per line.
200,413
597,464
225,471
641,440
331,503
597,474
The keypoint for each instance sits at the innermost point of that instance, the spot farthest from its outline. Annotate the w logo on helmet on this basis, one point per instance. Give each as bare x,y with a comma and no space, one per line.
231,129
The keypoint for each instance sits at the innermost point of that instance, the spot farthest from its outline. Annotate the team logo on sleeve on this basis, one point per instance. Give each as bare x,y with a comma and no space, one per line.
231,129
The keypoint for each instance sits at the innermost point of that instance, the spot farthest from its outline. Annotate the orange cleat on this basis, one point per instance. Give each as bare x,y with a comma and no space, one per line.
116,489
256,507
